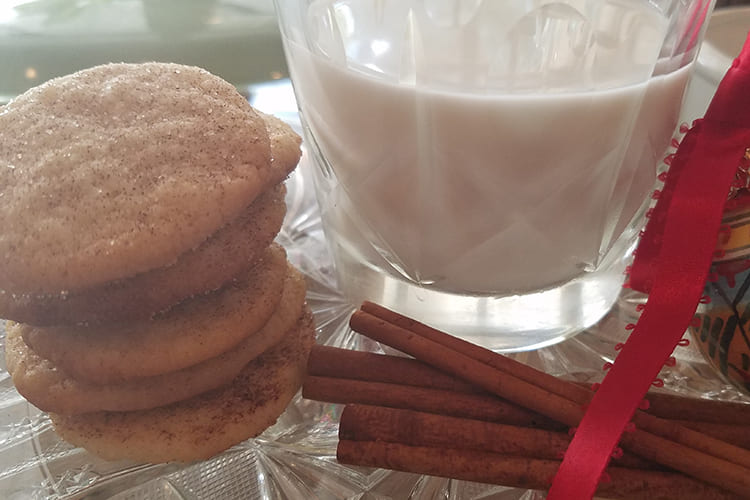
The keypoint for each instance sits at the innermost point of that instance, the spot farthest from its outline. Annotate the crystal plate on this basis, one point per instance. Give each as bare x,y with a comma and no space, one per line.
295,458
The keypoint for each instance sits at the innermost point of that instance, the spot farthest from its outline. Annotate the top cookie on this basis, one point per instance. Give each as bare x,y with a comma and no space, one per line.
120,168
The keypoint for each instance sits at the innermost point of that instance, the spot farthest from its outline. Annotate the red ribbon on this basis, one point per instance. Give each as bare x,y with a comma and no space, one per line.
672,264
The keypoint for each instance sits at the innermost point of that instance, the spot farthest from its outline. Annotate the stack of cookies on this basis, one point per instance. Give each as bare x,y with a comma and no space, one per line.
150,312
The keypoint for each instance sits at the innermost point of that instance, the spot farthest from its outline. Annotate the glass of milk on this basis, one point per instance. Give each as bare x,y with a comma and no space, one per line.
484,165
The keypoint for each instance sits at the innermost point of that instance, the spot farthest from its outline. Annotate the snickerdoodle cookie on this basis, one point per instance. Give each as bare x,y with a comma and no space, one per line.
49,388
150,310
206,264
200,427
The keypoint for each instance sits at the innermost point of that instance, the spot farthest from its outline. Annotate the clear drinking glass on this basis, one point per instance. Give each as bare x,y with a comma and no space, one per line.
483,165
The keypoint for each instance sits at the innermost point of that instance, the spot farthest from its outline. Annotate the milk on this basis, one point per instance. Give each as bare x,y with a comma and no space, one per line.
481,190
435,173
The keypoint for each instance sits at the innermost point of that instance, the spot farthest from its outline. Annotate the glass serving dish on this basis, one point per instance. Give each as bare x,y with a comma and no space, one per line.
295,458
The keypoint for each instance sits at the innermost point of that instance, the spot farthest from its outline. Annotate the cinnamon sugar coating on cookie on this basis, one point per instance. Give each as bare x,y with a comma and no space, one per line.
191,332
224,255
51,389
118,169
200,427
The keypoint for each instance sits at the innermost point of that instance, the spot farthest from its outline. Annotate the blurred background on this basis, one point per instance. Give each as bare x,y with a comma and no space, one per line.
235,39
40,39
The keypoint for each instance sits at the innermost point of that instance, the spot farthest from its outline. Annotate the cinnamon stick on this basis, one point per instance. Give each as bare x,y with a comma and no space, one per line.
331,361
524,393
473,406
675,407
335,362
739,435
520,371
465,407
713,461
376,423
520,472
660,404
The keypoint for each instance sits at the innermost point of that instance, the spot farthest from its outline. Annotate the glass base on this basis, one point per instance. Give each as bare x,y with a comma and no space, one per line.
502,324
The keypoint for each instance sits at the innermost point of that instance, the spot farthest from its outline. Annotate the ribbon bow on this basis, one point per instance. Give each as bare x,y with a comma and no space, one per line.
672,264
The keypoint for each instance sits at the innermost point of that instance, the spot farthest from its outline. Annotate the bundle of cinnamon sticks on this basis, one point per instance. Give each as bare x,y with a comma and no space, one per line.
457,410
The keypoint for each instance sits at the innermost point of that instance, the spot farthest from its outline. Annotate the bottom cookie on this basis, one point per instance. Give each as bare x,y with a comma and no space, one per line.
203,426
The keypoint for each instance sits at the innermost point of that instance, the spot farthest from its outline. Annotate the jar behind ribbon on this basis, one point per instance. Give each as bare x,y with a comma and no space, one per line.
481,165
